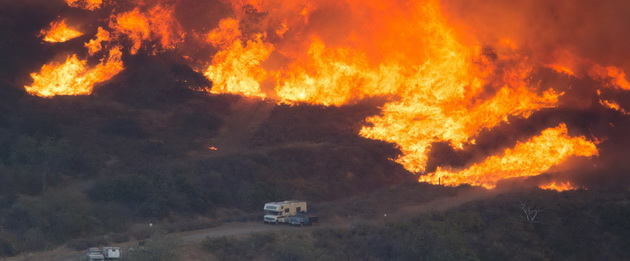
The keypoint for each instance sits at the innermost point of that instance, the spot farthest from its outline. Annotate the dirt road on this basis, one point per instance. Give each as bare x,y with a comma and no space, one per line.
191,237
236,229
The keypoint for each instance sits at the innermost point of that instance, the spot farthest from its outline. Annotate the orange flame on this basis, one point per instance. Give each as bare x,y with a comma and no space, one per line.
226,34
562,186
59,32
158,24
566,62
561,69
614,106
440,84
613,75
529,158
236,68
85,4
74,76
95,45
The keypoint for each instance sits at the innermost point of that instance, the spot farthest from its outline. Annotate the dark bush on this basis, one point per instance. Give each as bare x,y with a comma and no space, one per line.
7,248
124,127
83,244
80,244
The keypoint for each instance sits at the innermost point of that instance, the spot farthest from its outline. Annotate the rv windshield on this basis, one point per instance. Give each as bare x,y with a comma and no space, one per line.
275,213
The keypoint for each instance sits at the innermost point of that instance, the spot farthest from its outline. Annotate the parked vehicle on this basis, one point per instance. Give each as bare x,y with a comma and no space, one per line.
280,212
111,252
301,219
107,253
95,254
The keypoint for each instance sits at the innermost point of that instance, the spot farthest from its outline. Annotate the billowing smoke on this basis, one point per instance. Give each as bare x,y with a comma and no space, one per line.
590,29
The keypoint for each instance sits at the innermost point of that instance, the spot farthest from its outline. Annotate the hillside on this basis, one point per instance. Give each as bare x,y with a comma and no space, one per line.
417,129
146,157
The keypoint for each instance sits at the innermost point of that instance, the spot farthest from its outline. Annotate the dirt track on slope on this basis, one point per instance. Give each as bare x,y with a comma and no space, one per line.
191,239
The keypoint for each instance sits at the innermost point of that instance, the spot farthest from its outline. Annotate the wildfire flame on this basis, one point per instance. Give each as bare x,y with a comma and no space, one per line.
529,158
59,32
158,24
74,76
96,45
236,68
558,186
438,90
614,106
85,4
440,84
566,62
613,75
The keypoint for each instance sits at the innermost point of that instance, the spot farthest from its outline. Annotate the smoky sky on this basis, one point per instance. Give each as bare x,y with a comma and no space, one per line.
592,29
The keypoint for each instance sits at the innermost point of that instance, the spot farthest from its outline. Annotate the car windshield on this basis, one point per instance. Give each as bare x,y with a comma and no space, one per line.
275,213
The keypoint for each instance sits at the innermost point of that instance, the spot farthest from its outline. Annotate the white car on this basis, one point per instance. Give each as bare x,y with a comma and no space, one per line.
95,254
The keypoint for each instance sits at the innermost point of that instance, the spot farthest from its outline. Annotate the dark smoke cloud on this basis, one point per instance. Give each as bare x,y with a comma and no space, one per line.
593,29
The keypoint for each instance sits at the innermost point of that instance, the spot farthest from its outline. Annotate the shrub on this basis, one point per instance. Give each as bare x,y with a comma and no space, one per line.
124,127
7,248
158,248
296,249
83,244
229,248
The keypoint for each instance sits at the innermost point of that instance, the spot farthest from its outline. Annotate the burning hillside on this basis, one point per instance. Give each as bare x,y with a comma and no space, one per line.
448,76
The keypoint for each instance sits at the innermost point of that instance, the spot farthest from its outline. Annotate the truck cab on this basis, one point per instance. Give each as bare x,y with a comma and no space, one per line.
111,252
301,219
280,212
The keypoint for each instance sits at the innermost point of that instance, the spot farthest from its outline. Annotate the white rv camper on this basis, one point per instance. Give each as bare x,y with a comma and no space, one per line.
280,212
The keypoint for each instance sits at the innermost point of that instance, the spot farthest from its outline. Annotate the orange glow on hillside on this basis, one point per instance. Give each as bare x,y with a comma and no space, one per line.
59,32
529,158
558,186
74,76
